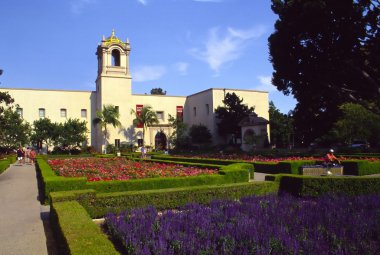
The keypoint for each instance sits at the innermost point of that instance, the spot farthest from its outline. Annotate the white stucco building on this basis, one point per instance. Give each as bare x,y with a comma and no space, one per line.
114,86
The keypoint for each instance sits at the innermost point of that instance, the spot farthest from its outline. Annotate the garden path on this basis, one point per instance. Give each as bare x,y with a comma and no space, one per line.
22,216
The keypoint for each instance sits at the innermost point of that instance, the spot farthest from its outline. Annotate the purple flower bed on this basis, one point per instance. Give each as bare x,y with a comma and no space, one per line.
255,225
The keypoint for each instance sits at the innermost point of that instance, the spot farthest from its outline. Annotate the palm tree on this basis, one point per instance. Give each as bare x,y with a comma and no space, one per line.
146,117
109,115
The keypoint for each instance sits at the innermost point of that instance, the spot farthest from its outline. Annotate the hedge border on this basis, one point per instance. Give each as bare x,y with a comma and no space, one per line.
227,174
99,204
78,234
312,186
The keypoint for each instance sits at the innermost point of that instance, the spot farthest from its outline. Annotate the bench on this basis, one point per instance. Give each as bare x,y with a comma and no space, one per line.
321,170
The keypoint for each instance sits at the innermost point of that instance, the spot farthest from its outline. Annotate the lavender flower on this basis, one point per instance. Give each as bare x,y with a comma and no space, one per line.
255,225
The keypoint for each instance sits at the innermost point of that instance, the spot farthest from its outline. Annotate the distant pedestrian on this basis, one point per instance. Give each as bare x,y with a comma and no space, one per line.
143,151
27,155
32,156
20,155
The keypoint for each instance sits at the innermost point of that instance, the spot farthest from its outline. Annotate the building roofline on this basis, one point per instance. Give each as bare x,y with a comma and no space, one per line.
150,95
248,90
60,90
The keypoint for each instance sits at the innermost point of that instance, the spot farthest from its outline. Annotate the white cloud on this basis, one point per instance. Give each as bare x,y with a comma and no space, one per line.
221,49
182,67
143,2
77,6
265,84
148,73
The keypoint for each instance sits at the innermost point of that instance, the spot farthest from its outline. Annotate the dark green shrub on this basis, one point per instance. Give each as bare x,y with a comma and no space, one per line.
99,205
76,232
316,186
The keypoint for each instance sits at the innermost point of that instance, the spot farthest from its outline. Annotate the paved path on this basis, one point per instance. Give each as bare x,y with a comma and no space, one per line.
21,215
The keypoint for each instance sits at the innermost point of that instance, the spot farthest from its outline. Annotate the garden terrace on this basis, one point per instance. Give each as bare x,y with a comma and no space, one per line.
78,206
50,182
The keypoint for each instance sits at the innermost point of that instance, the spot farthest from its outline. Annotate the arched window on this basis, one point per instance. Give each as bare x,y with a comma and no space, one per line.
115,57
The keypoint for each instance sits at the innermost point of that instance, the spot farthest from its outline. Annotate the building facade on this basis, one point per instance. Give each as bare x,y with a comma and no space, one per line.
114,87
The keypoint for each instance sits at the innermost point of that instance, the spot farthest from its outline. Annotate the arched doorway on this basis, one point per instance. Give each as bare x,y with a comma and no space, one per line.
160,141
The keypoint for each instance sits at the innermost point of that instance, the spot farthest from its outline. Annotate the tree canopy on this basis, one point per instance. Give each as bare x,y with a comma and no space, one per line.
326,53
231,114
72,133
357,123
178,137
45,131
157,91
146,117
108,116
200,134
281,127
14,131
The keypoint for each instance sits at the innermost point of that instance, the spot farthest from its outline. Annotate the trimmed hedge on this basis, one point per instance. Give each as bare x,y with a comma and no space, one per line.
360,167
227,174
282,167
316,186
98,205
76,232
51,182
211,161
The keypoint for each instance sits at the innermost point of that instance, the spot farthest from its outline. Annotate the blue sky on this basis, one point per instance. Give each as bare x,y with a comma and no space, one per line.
181,46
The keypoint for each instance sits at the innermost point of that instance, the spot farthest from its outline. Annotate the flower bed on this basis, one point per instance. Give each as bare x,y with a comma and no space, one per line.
258,158
97,169
254,225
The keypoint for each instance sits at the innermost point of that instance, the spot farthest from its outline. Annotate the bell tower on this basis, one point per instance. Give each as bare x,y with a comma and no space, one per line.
113,82
114,77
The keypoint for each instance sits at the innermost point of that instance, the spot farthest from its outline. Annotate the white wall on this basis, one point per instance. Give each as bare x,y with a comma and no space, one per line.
30,100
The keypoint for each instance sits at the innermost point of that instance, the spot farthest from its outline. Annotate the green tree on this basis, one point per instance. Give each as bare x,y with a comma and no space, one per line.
326,53
6,99
14,131
179,137
146,118
357,123
281,127
108,116
157,91
200,134
231,114
72,133
45,131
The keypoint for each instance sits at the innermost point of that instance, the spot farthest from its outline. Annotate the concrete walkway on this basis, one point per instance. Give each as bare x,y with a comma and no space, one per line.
22,217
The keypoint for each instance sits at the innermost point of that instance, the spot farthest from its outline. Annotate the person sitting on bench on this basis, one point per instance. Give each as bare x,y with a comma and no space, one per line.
330,160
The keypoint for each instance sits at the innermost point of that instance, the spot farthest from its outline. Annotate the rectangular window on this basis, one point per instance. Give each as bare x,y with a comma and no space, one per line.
179,110
195,111
160,115
20,112
207,109
117,143
139,108
63,113
83,113
117,108
41,112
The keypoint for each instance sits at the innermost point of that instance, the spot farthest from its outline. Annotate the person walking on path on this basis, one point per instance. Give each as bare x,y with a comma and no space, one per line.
20,155
32,156
21,219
